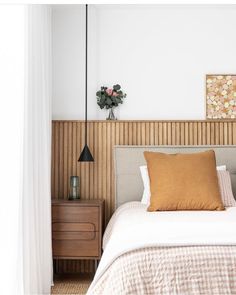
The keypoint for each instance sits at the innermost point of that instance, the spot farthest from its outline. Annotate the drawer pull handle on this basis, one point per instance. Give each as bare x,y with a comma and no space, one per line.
74,236
73,226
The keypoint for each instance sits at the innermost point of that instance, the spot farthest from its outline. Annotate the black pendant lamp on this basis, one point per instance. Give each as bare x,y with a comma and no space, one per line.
86,155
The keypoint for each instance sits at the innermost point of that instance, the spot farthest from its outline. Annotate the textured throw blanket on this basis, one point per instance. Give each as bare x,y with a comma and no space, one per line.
181,252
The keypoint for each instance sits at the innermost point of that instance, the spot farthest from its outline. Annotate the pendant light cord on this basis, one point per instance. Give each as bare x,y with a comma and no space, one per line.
86,155
86,72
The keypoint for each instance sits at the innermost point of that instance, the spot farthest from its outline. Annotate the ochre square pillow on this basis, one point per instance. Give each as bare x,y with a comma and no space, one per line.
183,181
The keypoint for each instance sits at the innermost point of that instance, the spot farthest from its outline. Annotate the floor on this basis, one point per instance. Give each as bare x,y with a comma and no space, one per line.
71,284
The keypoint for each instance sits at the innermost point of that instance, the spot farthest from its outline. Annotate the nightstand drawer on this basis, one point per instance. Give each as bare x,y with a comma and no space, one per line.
76,214
83,235
73,227
76,248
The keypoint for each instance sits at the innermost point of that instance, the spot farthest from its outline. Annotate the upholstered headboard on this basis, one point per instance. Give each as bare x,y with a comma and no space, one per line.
128,182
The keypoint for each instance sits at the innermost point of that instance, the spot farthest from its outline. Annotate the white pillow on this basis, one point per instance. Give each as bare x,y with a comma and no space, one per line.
221,168
224,182
146,184
226,189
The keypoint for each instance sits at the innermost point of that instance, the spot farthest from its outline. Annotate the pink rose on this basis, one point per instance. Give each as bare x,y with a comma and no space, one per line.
109,91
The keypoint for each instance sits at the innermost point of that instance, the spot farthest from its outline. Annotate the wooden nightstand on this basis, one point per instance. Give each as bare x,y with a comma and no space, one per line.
77,228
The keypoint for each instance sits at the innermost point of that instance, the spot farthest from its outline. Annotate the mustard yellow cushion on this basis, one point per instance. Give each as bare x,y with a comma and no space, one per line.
183,181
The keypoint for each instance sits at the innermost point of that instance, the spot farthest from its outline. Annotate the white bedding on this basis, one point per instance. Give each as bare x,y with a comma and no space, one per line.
132,228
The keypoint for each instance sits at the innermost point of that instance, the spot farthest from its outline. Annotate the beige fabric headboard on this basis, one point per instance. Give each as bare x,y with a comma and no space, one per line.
128,182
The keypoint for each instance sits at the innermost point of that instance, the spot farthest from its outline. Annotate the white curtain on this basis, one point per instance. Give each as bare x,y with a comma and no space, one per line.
36,193
11,125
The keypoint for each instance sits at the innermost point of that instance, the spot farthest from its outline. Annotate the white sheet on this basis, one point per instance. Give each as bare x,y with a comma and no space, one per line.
132,227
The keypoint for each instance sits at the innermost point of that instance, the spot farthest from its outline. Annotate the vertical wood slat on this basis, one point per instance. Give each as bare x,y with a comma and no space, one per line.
97,179
234,133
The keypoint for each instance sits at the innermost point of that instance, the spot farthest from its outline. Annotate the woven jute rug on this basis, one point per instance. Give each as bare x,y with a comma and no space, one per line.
71,285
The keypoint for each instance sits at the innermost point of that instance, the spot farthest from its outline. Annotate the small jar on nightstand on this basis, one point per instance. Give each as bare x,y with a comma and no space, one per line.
77,228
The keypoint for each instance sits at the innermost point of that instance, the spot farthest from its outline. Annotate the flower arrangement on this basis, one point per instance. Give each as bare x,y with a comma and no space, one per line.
109,98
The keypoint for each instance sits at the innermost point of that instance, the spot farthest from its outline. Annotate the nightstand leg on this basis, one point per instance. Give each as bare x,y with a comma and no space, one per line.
95,264
55,266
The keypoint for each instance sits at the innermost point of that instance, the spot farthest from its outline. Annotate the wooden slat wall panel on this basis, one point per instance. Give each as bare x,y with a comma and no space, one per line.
97,179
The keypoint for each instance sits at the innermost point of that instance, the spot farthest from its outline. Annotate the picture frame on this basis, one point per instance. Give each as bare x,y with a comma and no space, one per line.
220,96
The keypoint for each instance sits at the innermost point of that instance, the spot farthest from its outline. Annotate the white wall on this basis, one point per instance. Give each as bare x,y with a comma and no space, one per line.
159,55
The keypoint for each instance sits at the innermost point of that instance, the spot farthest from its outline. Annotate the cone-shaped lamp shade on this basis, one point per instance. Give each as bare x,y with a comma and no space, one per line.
86,155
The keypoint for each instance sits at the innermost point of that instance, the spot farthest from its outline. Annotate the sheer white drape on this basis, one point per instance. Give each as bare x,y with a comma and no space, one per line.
36,192
11,125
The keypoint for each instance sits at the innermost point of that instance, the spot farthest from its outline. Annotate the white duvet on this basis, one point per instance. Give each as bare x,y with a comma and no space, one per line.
132,227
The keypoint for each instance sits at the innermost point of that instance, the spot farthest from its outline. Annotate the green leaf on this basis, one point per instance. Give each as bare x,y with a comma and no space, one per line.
108,101
103,99
116,87
101,105
99,93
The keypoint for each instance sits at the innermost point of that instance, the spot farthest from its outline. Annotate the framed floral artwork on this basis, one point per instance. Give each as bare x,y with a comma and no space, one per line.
221,97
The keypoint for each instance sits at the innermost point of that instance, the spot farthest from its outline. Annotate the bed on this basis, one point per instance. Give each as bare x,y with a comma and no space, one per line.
176,252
